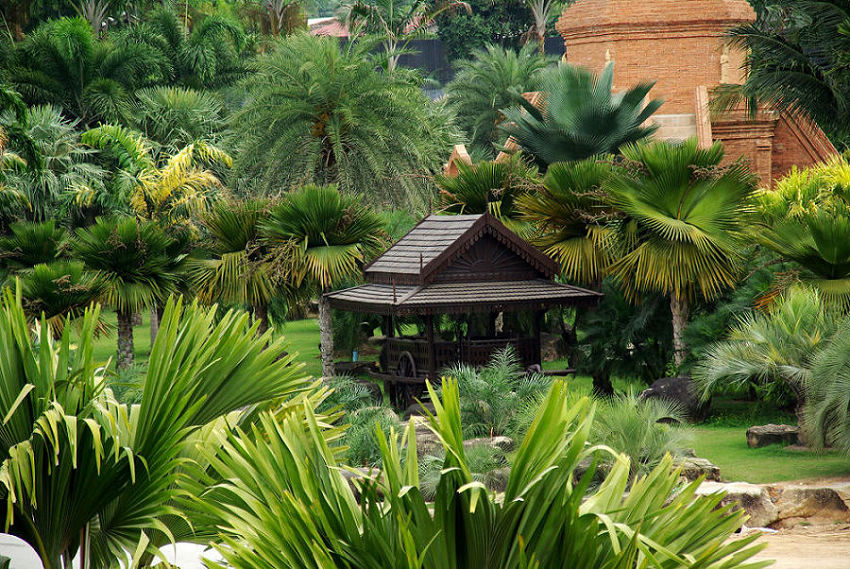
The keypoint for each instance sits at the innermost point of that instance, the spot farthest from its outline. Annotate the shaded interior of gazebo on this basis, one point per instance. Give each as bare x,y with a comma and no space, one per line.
470,281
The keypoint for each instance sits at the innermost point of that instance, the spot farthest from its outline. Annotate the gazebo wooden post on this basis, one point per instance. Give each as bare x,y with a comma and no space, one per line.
387,327
538,324
432,352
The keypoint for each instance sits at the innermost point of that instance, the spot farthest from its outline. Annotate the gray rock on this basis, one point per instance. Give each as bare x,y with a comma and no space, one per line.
763,435
751,498
497,480
680,390
505,444
426,441
693,467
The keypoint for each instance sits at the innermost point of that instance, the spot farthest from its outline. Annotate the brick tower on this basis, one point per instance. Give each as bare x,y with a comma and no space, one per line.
680,45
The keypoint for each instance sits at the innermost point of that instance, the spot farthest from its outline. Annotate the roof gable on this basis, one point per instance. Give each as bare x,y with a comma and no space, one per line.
436,242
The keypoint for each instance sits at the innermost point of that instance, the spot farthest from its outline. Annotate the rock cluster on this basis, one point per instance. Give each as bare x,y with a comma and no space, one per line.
763,435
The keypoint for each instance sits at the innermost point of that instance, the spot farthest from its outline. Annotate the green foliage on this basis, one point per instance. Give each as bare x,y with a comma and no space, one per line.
491,396
776,347
491,80
482,460
75,461
544,519
580,116
645,431
686,216
317,113
797,62
361,436
827,389
501,23
489,187
133,257
29,244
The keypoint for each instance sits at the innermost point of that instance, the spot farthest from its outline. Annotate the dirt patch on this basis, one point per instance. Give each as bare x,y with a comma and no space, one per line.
808,547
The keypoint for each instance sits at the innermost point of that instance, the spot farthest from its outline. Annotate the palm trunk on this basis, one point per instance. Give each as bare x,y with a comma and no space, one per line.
326,336
541,43
125,339
679,310
261,315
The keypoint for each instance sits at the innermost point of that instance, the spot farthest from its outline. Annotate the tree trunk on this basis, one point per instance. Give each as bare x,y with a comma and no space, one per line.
125,339
154,322
541,42
326,336
602,386
679,310
261,315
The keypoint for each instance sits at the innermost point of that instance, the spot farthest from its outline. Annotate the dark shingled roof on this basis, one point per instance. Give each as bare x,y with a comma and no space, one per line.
437,240
449,298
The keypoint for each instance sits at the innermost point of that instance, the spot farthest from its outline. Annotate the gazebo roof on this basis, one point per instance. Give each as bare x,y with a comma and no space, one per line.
457,264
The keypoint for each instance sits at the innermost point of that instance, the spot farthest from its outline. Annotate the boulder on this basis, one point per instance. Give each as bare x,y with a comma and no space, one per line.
680,390
497,480
763,435
417,409
356,476
796,502
693,467
751,498
505,444
426,441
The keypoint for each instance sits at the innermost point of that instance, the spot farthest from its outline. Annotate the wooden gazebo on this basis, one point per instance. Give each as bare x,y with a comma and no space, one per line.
468,266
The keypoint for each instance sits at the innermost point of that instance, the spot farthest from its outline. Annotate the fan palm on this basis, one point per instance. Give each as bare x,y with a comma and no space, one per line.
29,244
135,259
76,465
685,216
579,117
572,218
778,346
494,78
237,269
321,237
796,62
59,292
318,113
64,64
488,187
273,511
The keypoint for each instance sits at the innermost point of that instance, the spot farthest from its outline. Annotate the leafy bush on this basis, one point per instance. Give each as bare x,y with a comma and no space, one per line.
492,395
481,459
361,435
284,503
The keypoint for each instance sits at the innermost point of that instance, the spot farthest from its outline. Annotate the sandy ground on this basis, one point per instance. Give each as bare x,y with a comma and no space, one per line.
813,547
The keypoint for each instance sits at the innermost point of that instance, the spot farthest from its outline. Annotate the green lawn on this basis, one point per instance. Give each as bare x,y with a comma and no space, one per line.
722,439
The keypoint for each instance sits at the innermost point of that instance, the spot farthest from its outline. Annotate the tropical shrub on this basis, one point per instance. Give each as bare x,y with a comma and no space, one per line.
77,464
579,116
283,502
316,113
491,80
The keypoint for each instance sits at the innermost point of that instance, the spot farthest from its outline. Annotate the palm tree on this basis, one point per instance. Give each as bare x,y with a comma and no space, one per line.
494,78
64,64
80,467
776,347
540,10
59,292
321,237
135,259
237,269
580,116
273,512
396,22
317,113
30,243
573,219
795,62
489,187
685,216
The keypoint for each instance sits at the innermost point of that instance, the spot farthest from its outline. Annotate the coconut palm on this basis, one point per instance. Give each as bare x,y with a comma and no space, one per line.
78,466
579,117
59,292
237,269
685,216
492,79
546,518
489,187
321,237
318,113
64,64
796,62
135,259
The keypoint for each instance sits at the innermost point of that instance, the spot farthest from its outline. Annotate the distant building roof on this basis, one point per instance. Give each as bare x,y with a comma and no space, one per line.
330,26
